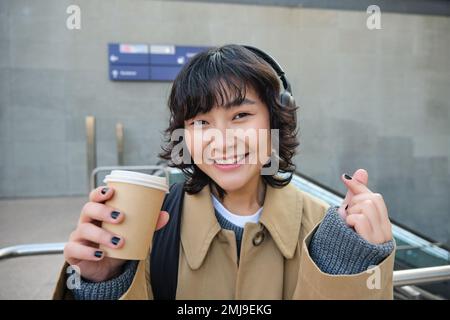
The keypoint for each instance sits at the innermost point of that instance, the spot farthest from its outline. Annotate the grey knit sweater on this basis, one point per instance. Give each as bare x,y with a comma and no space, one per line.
335,248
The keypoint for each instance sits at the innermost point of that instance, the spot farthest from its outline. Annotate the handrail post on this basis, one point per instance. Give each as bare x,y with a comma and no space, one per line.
91,148
120,143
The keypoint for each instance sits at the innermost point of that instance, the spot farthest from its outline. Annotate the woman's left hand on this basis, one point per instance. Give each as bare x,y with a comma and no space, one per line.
366,211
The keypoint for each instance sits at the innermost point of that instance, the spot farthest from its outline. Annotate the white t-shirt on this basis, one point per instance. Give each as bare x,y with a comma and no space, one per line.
235,218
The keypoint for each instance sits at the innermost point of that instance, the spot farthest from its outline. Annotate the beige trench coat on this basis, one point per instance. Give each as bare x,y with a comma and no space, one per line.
278,267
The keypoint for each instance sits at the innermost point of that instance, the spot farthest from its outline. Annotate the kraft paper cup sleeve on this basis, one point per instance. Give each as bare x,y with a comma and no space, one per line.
141,206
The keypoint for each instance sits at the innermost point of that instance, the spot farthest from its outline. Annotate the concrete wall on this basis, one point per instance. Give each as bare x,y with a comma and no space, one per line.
370,99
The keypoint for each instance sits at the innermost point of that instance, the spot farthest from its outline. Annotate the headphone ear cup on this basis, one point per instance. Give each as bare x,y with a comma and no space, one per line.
286,99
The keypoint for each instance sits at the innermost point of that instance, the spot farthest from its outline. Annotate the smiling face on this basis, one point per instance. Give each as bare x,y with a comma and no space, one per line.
229,87
231,143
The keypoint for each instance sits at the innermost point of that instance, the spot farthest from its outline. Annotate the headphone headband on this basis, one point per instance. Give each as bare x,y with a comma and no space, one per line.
274,64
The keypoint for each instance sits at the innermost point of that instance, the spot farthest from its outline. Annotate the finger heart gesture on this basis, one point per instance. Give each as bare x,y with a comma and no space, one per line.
365,210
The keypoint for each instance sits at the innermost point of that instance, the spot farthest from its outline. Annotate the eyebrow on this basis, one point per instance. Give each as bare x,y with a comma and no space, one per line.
236,102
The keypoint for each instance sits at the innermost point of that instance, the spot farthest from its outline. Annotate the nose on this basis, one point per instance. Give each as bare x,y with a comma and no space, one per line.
222,142
224,145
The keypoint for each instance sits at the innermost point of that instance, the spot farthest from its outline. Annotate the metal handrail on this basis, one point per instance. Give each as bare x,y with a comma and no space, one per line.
95,172
419,246
31,249
400,277
421,275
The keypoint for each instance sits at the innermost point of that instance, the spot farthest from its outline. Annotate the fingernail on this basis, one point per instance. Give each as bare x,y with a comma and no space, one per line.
346,176
115,240
98,254
115,214
346,207
104,190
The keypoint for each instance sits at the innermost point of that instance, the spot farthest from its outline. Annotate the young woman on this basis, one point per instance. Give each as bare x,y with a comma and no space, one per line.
245,234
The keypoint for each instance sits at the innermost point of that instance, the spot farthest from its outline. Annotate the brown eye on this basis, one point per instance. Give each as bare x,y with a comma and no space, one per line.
199,123
241,115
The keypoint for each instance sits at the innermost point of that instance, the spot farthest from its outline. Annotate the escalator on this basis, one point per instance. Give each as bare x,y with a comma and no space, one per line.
413,249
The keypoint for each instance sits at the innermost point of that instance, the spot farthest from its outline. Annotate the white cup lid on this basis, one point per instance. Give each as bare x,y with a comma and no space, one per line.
139,178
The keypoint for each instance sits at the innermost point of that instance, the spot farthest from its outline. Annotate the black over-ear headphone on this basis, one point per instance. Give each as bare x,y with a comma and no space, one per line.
286,97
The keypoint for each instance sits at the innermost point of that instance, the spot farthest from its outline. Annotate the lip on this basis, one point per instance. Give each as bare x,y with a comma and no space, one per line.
229,167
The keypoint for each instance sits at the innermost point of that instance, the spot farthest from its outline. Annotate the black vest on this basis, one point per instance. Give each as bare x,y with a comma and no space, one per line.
166,247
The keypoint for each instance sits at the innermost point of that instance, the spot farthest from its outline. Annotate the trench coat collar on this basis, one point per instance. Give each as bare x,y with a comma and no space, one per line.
281,216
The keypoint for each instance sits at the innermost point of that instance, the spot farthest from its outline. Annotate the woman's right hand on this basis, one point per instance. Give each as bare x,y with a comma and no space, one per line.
83,250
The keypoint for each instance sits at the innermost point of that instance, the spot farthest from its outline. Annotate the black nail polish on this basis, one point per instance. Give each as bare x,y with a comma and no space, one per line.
98,254
346,176
346,207
115,214
115,240
104,190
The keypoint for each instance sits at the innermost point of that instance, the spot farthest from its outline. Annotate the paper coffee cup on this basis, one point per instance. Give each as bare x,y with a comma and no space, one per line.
140,197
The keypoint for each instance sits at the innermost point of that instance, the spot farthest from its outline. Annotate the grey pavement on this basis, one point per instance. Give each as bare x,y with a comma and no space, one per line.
38,220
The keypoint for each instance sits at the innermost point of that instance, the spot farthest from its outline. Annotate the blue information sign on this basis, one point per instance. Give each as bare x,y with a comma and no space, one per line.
164,73
172,55
126,54
129,73
142,62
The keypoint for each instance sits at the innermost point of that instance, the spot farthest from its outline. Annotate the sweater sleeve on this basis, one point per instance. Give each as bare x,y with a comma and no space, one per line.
107,290
337,249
